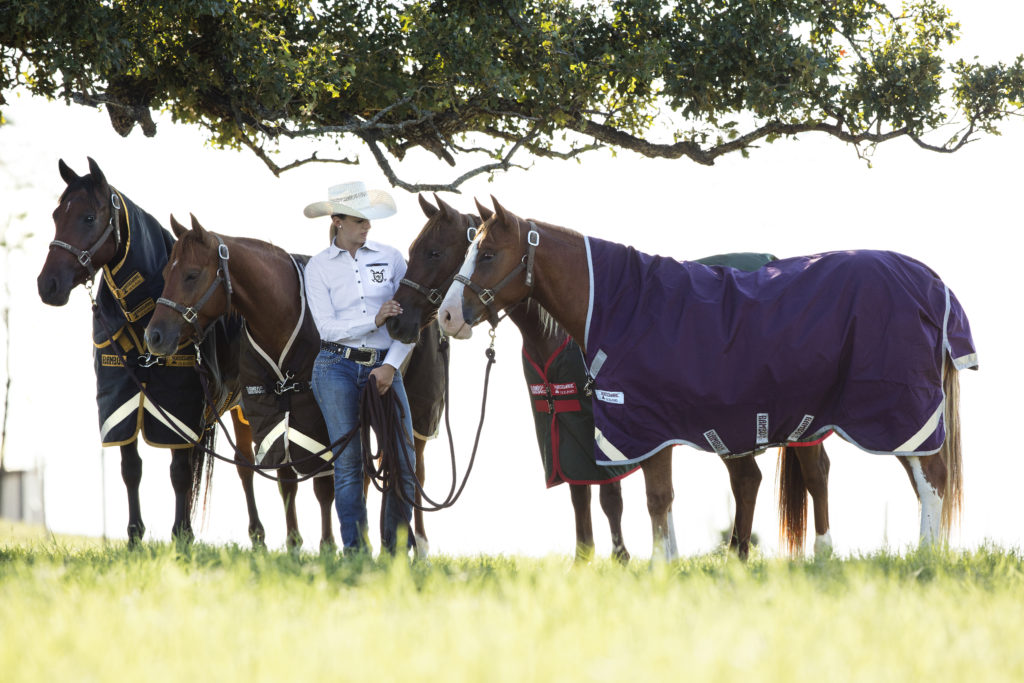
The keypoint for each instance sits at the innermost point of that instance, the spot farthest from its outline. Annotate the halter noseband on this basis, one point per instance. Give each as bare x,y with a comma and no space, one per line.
84,256
486,295
191,313
436,296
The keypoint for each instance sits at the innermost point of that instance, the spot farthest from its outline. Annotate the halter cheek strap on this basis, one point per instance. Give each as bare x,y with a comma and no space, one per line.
84,257
191,313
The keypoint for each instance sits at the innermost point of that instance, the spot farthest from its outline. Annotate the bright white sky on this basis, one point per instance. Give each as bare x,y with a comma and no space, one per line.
959,213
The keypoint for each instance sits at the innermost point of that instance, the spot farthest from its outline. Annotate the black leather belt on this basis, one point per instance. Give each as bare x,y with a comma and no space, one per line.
363,355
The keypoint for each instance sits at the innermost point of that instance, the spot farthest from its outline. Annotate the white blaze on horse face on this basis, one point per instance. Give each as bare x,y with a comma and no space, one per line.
450,312
931,504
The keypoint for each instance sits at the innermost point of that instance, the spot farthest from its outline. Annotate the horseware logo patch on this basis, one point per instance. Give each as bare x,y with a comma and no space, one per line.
801,428
716,442
610,396
560,389
762,428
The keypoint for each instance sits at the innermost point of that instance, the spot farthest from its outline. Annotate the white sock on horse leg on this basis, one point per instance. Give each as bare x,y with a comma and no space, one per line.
931,504
823,544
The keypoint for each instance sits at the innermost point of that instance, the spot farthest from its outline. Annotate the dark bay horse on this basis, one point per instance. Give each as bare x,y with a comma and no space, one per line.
100,232
211,274
865,344
434,258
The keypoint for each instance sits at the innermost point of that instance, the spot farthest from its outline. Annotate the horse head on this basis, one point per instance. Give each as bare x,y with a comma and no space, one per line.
495,274
87,235
434,258
195,292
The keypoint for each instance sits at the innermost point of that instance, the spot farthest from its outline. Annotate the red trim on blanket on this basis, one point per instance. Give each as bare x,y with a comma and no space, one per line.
801,444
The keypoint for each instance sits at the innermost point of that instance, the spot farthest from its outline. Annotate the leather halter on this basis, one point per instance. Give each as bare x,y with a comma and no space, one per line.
191,313
436,296
486,295
84,256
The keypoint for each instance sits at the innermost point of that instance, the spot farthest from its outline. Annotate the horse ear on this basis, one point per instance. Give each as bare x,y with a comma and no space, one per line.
199,230
504,215
428,209
484,212
178,228
448,209
97,174
66,173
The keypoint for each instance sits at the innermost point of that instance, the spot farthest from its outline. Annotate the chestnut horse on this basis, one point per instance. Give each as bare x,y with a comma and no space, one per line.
212,274
434,258
899,397
101,232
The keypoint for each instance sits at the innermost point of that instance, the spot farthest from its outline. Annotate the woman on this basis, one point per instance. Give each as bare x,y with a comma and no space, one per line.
349,287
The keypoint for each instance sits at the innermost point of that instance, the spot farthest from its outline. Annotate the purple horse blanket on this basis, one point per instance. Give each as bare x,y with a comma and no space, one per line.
735,362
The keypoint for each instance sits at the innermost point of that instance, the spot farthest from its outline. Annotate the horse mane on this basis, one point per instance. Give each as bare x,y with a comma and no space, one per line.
549,326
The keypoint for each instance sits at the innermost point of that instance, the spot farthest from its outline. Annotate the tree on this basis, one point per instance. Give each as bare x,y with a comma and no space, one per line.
502,79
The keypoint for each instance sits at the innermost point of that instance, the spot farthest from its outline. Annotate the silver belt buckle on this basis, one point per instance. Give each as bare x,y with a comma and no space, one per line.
373,356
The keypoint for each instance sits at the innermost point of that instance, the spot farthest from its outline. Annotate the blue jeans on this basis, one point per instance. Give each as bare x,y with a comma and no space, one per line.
337,385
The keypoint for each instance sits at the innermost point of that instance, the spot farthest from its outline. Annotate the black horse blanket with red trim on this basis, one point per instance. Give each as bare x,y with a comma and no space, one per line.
175,413
564,419
735,362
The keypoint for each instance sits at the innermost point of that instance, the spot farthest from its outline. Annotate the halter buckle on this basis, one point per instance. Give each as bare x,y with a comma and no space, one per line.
533,238
470,234
115,201
486,297
434,298
85,259
190,314
222,251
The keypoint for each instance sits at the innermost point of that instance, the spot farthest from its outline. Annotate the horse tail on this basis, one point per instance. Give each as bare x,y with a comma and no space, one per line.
792,502
202,471
953,496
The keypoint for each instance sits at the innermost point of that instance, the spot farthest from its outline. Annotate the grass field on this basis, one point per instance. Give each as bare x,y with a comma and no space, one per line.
76,610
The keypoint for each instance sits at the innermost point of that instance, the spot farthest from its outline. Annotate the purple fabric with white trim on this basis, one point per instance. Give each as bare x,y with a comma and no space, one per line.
735,362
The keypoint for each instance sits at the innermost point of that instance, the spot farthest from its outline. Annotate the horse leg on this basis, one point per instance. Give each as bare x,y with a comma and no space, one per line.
243,443
182,478
658,481
928,477
745,479
323,487
419,530
131,474
288,487
814,466
580,494
611,502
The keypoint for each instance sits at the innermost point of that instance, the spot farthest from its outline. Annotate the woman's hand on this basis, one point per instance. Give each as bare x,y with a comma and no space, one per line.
385,375
387,310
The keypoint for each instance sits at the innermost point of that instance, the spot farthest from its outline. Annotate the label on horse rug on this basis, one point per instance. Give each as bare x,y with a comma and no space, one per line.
852,341
564,419
174,414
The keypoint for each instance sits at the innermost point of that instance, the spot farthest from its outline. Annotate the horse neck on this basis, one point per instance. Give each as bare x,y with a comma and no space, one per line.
542,335
562,278
265,290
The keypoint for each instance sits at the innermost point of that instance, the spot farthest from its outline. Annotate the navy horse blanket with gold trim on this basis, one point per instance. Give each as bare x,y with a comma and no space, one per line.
124,304
736,362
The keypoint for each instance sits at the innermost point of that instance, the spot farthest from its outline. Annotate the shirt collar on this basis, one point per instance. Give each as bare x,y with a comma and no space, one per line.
333,249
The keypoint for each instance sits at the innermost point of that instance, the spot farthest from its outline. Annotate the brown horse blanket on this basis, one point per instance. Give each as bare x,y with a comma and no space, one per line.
736,362
286,421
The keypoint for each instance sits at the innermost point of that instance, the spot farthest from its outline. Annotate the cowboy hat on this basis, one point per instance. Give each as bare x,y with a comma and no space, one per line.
353,199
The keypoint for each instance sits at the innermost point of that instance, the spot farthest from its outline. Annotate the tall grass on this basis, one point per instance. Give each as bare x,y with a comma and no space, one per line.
166,612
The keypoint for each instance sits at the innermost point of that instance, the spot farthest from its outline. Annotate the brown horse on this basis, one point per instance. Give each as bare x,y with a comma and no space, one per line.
434,258
211,274
512,259
101,232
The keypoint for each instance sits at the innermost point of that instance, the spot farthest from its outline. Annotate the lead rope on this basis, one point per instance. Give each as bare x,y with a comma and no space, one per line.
386,414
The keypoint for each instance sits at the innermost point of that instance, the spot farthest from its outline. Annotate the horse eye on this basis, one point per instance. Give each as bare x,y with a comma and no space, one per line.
191,276
435,254
89,218
486,255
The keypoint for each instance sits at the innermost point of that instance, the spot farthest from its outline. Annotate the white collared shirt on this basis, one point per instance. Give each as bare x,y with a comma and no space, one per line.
345,294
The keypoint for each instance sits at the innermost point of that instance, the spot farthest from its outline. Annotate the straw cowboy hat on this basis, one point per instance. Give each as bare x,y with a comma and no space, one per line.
353,199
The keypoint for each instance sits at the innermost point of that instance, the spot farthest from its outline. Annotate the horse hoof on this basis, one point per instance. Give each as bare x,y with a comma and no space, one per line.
328,546
135,534
258,537
621,555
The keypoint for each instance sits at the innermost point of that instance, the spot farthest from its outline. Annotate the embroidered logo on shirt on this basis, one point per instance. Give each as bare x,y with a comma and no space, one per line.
378,272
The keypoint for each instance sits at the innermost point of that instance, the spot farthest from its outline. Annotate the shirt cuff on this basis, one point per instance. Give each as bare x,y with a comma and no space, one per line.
397,353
